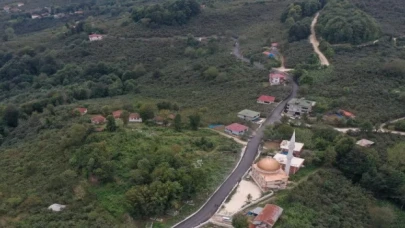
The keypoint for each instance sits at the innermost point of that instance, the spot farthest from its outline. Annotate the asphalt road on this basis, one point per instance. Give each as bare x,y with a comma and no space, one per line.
211,206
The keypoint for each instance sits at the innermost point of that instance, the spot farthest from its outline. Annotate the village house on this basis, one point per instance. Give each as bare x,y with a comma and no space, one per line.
249,115
117,114
277,78
296,163
284,146
35,16
159,120
135,118
99,119
299,106
58,15
19,4
264,99
268,216
364,143
346,114
95,37
268,174
82,111
79,12
236,129
6,8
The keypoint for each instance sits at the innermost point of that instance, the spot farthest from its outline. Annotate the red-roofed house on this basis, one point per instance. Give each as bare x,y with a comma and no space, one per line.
347,114
268,217
264,99
159,120
94,37
135,118
99,119
236,129
277,78
81,110
117,114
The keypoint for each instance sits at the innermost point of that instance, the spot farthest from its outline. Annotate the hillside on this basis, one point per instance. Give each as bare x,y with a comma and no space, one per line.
171,63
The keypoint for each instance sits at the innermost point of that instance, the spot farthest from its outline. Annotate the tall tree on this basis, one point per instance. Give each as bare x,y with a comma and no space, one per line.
10,116
147,111
125,117
240,221
111,126
194,121
177,122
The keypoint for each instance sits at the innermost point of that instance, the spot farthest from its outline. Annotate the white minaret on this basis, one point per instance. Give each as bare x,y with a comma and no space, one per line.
291,147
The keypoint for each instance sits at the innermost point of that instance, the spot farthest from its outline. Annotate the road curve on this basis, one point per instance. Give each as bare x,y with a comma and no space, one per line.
315,42
211,206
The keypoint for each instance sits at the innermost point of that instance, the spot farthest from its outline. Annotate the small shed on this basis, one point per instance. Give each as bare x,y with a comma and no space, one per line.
255,211
365,143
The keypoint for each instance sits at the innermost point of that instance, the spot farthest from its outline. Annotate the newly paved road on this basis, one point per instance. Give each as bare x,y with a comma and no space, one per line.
211,206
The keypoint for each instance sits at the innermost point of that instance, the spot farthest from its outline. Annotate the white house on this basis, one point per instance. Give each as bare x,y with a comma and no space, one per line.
135,118
95,37
277,78
249,115
35,16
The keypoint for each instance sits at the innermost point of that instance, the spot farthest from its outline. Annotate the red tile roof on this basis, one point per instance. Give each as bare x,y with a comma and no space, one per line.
277,75
81,110
236,127
134,116
347,114
269,214
158,119
117,114
265,98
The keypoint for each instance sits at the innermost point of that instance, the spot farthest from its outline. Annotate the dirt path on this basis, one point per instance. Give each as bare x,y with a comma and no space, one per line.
315,43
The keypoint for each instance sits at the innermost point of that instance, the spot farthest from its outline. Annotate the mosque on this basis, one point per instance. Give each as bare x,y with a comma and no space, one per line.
269,174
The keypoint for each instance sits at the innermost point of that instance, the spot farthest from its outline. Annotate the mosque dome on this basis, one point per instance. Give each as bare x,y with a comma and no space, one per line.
268,164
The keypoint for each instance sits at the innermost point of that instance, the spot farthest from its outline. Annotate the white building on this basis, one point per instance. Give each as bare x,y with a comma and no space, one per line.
299,106
95,37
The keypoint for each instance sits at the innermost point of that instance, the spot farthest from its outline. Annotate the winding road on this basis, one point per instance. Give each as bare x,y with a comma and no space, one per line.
212,204
315,43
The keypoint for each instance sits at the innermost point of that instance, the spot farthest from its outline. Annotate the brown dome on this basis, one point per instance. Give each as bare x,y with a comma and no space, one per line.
268,164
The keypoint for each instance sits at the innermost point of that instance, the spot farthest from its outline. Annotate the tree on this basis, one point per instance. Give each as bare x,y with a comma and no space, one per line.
125,117
240,221
11,115
111,126
194,121
211,73
147,111
381,216
177,122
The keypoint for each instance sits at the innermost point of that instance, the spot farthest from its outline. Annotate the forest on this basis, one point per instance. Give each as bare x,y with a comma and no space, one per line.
178,12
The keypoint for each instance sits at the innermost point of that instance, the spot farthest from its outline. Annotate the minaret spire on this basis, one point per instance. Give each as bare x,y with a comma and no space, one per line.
291,147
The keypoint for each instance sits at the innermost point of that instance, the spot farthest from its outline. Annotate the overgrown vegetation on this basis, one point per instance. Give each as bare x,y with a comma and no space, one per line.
170,13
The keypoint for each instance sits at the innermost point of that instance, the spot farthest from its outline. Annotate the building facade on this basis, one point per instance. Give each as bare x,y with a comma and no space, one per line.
297,107
249,115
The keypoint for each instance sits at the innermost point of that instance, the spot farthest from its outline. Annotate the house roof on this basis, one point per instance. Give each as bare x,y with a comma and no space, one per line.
95,35
269,214
117,114
158,119
134,115
277,75
284,145
302,102
266,98
236,127
295,162
171,116
81,110
247,112
364,142
347,114
274,44
98,118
